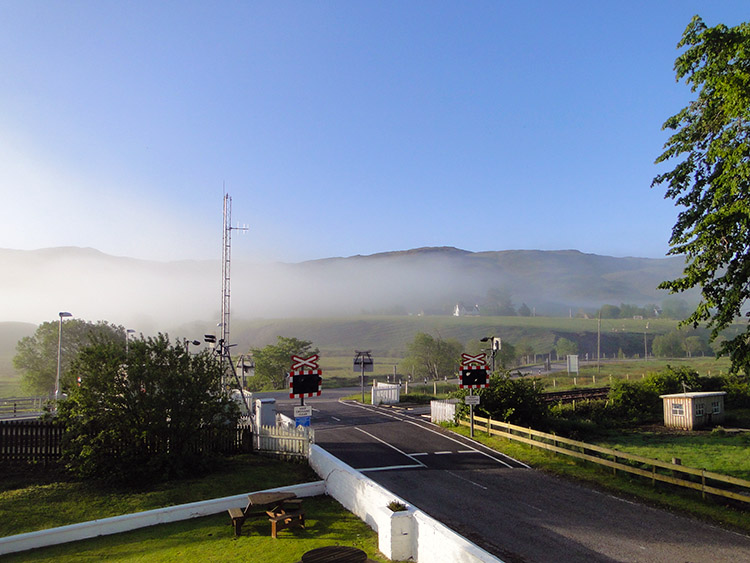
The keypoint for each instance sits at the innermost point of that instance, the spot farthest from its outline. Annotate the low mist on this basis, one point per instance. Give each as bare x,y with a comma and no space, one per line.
157,296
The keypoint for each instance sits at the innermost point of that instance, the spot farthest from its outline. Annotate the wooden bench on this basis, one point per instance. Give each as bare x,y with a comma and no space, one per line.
238,518
284,519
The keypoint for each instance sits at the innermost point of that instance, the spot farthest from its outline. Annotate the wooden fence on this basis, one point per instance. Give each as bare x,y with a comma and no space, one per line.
697,479
36,440
13,407
285,441
29,440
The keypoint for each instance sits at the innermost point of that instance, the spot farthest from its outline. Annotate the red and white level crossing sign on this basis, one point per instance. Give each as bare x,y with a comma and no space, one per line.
304,377
469,361
311,362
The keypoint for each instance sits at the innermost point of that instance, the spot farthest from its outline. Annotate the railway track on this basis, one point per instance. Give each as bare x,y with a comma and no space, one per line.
576,395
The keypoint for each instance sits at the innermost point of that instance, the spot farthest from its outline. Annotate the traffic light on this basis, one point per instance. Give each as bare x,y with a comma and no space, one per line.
304,385
474,378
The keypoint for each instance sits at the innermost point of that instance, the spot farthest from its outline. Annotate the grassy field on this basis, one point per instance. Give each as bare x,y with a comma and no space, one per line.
37,500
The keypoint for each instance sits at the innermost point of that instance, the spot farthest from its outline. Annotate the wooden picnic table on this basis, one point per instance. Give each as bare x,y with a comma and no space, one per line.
271,504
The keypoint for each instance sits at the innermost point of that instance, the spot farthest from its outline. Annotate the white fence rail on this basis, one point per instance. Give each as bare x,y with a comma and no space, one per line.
443,411
386,394
284,441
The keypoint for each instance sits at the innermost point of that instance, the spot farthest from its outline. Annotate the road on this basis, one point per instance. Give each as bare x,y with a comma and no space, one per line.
512,511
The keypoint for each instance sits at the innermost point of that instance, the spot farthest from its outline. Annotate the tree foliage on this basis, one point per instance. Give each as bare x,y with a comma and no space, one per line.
432,358
273,362
36,355
515,400
143,418
710,149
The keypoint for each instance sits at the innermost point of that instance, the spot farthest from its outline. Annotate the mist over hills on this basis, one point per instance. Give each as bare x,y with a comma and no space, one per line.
156,296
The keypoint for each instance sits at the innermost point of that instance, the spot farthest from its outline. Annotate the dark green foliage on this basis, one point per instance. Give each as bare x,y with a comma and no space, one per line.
710,179
36,356
273,362
145,417
515,400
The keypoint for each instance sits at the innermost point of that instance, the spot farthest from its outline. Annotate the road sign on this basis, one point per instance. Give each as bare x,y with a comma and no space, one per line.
300,363
304,383
471,400
468,361
299,412
302,421
363,362
474,378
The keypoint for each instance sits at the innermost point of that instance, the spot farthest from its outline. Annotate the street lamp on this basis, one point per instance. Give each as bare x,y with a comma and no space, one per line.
495,345
59,353
128,332
189,342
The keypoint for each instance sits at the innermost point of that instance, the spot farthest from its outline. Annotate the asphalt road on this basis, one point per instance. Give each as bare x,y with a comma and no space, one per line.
512,511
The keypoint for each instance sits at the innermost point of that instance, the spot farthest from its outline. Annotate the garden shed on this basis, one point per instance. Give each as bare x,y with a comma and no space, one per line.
693,410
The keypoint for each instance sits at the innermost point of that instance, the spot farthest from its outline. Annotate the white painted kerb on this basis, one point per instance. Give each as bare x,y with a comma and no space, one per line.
127,522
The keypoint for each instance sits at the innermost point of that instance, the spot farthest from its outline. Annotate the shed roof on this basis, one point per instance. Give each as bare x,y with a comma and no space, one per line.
695,395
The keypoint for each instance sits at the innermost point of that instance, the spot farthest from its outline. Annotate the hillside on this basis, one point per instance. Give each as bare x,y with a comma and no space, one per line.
151,296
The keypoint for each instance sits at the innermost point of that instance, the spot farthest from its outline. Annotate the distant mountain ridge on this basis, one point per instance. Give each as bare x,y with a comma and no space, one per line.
36,285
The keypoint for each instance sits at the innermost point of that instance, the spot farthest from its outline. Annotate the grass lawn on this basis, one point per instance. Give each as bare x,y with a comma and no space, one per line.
211,539
714,451
36,500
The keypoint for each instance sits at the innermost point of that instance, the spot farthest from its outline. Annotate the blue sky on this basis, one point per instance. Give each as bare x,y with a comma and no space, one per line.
339,127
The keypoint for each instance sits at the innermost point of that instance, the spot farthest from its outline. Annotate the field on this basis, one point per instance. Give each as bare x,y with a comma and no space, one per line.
387,337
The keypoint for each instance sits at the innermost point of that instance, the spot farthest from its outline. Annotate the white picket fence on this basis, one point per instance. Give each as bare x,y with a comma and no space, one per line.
386,393
284,441
443,411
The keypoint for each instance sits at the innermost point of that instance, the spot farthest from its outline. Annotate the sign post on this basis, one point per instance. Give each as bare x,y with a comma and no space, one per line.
363,360
304,382
473,376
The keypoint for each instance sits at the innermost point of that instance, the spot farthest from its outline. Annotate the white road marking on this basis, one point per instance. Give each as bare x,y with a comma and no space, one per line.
401,419
390,445
391,467
442,453
467,480
336,419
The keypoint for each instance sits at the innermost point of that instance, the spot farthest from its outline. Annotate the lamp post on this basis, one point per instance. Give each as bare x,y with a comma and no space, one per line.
495,345
189,342
645,343
128,332
59,354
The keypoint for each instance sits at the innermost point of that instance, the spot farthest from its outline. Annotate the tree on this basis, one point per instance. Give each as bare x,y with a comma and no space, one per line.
143,417
431,357
273,362
524,311
669,345
518,401
36,355
609,312
565,347
711,179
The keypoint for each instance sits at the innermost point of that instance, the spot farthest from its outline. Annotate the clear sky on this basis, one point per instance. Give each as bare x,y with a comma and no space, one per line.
339,127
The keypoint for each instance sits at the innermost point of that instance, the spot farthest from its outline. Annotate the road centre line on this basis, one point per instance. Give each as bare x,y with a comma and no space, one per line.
390,446
442,453
467,480
370,409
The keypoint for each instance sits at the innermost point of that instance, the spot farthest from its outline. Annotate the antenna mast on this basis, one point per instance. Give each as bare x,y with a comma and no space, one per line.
226,259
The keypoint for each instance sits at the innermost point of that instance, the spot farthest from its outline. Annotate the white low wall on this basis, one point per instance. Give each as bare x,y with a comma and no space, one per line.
127,522
402,535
